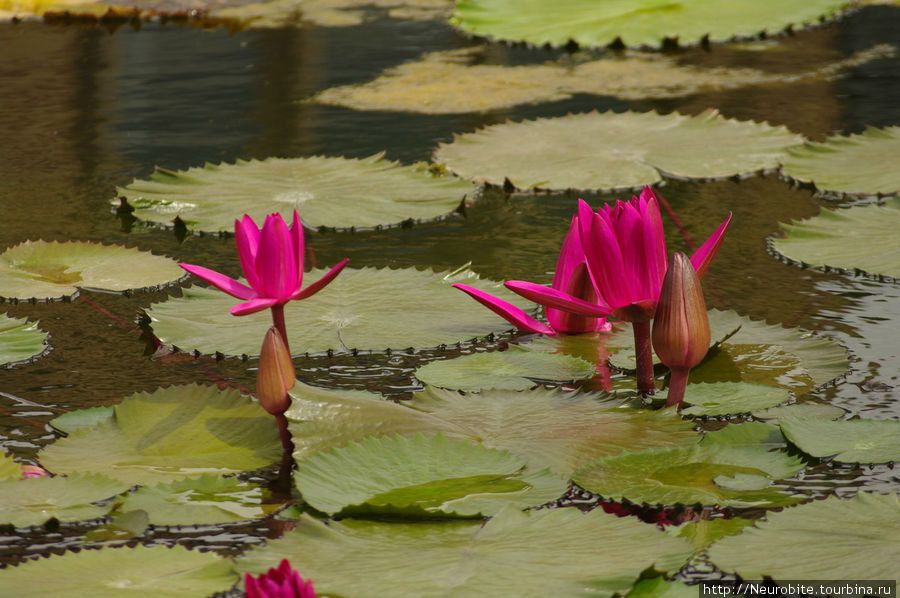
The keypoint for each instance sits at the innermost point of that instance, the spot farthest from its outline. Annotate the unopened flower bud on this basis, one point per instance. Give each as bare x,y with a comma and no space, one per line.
681,326
276,374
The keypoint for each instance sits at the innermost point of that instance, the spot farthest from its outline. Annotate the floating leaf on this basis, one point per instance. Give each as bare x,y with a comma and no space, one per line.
35,500
757,434
816,410
173,433
328,13
843,239
20,340
703,533
9,469
658,587
420,475
115,572
726,398
635,23
847,441
205,500
548,428
709,475
42,270
330,192
825,539
367,308
513,369
126,526
614,150
852,164
459,81
551,552
82,418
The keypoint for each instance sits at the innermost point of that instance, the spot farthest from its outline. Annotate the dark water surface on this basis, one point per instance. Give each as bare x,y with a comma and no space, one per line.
83,110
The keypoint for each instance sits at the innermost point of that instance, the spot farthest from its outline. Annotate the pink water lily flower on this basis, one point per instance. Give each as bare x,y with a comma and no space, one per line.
272,260
280,582
571,277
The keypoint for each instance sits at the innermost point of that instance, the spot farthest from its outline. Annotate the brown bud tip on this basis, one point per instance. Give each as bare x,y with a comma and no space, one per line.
681,326
276,374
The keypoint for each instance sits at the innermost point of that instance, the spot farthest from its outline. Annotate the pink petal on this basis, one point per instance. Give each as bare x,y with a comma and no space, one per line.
579,286
299,246
506,310
655,251
629,230
570,256
705,254
246,238
557,299
253,306
319,284
605,261
225,283
276,263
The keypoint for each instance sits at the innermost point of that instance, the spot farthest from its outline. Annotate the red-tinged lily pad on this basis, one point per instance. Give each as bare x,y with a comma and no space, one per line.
20,340
42,270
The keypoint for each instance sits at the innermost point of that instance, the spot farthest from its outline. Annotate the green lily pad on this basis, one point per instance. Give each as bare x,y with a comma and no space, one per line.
124,526
614,150
419,475
659,587
82,418
757,434
726,398
825,539
206,500
550,552
42,270
33,501
849,164
20,340
329,192
706,474
155,571
173,433
701,534
514,369
548,428
635,23
804,410
846,441
366,308
843,239
328,13
9,469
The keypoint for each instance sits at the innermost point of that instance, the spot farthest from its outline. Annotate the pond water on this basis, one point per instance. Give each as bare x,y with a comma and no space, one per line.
83,109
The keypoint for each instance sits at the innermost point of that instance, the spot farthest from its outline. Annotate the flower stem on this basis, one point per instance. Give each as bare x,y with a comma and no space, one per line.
286,441
677,383
643,357
278,322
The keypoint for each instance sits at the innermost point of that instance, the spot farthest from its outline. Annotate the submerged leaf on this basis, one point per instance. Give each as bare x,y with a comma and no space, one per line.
551,552
329,192
614,150
42,270
846,441
20,340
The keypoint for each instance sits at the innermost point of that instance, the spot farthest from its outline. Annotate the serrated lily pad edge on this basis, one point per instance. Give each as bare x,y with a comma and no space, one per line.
46,341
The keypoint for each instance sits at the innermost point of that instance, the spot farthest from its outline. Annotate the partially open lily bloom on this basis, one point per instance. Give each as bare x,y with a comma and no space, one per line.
280,582
276,375
272,260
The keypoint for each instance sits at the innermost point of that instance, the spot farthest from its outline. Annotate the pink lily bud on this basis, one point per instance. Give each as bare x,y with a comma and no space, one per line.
281,582
276,374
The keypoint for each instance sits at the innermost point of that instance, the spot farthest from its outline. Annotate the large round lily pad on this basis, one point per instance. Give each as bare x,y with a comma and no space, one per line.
844,239
853,441
142,572
614,150
34,501
42,270
422,476
825,539
635,22
552,552
20,340
706,474
175,432
330,192
366,308
850,164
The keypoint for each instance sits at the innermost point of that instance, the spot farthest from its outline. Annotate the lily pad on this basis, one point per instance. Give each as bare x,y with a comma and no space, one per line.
614,150
513,369
326,191
804,410
825,539
551,552
34,501
143,571
20,340
367,308
422,476
726,398
330,13
82,418
635,23
548,428
173,433
756,434
701,534
9,469
205,500
707,474
846,441
42,270
849,164
659,587
843,239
